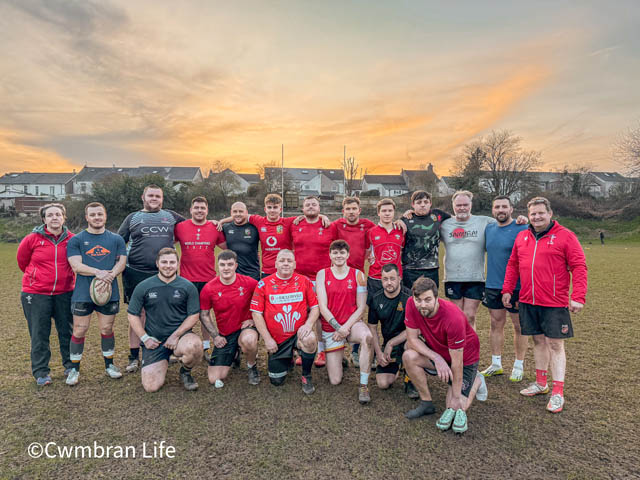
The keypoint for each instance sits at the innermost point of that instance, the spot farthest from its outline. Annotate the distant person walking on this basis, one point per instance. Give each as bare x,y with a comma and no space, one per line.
601,237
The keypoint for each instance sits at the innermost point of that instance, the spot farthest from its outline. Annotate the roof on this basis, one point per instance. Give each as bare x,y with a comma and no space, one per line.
250,177
355,184
28,178
385,179
611,177
174,174
305,174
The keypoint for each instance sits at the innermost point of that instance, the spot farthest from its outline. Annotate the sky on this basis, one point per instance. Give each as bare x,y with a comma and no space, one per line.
399,84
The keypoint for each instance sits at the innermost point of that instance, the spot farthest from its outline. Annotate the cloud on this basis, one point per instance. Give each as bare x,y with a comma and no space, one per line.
17,156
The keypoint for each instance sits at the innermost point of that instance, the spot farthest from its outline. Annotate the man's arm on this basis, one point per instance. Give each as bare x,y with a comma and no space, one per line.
457,401
323,301
80,268
261,326
307,328
376,344
188,324
361,303
577,265
136,325
414,343
511,276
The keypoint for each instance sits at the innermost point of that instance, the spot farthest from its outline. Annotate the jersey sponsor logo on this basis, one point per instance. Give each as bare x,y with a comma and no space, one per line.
272,241
231,230
329,282
350,284
279,229
98,252
550,242
434,218
565,329
389,255
154,229
377,237
86,244
459,341
261,284
177,294
240,290
247,231
280,298
287,319
152,295
219,294
462,233
397,237
263,229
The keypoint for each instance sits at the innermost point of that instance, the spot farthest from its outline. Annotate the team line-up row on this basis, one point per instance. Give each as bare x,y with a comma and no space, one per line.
311,269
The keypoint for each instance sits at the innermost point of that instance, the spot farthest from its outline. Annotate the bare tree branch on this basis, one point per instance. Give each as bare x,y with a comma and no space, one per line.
627,150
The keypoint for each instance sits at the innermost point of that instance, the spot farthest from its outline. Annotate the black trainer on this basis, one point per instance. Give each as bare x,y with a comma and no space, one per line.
254,375
425,407
307,385
410,390
187,380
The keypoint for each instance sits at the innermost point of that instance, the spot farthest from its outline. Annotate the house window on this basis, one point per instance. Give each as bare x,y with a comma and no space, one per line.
26,188
37,190
52,190
83,187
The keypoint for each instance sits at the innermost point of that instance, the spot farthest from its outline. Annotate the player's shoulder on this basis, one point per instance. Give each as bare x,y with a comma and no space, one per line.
246,280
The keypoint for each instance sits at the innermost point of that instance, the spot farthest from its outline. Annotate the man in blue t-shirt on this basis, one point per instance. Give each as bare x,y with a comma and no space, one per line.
95,252
499,239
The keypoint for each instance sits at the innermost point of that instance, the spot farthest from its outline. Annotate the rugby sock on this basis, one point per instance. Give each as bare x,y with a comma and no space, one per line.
184,369
558,388
355,348
134,353
108,344
541,377
76,347
206,344
518,364
364,378
496,360
320,347
307,362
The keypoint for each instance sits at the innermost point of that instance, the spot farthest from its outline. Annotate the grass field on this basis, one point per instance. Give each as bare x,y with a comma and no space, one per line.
264,432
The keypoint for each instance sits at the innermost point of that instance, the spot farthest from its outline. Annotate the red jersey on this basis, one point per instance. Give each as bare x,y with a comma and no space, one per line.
447,329
284,304
230,303
311,245
198,243
356,237
387,248
274,236
341,296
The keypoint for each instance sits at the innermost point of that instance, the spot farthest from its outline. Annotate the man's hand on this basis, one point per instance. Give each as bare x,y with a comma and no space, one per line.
219,341
408,214
248,323
457,403
326,223
444,371
298,219
303,331
386,355
271,345
575,307
341,333
506,300
151,343
522,220
172,341
399,224
105,276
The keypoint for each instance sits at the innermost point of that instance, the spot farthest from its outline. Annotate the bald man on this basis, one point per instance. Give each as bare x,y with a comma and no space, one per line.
243,238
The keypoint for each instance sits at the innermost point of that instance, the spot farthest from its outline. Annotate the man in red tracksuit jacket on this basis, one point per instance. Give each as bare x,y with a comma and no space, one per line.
547,258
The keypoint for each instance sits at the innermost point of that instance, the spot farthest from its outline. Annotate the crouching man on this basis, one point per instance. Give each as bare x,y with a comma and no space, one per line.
449,349
172,308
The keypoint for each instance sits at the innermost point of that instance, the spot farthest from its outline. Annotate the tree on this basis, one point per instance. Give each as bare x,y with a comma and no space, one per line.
468,168
350,168
222,178
271,177
627,150
500,159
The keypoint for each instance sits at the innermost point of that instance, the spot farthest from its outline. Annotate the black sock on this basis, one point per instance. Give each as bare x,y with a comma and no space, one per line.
108,345
307,362
134,353
76,347
427,406
184,369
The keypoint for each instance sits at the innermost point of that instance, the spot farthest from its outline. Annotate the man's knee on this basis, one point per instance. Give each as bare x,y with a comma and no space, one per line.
277,381
152,384
556,345
410,357
309,343
249,342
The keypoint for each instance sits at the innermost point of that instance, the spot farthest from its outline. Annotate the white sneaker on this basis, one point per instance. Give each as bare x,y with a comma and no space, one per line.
516,375
482,393
133,366
556,403
73,377
113,371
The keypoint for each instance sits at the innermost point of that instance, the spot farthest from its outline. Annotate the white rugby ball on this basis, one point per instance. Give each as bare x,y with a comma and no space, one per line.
99,296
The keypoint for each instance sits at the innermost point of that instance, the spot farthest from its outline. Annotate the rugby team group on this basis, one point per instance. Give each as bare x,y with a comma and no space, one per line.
299,283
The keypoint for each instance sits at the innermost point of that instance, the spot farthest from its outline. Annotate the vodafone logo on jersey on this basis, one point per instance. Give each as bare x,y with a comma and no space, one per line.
272,241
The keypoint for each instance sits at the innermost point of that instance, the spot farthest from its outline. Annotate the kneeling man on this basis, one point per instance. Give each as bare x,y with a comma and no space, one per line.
285,310
342,296
172,309
450,350
229,294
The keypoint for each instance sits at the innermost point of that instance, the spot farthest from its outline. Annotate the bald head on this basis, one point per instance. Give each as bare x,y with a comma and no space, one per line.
239,213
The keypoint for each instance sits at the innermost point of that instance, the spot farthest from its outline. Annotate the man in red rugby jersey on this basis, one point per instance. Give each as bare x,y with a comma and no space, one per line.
285,309
342,295
229,295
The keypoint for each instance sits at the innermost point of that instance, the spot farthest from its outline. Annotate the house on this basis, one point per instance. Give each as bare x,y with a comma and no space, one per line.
604,184
446,186
387,185
238,182
420,179
311,181
54,185
83,182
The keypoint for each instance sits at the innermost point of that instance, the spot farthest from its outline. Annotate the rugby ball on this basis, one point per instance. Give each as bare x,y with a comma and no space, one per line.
99,296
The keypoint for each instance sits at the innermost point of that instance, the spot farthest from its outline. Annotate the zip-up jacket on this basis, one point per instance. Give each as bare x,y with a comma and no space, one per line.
545,263
43,259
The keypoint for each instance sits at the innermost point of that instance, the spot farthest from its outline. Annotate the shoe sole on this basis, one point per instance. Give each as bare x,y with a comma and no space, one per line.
494,374
460,429
442,427
542,392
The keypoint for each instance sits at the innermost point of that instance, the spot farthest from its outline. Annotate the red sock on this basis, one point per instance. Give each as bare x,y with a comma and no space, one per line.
558,388
541,377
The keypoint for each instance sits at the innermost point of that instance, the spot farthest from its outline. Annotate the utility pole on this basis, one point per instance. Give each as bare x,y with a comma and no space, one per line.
344,176
282,174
